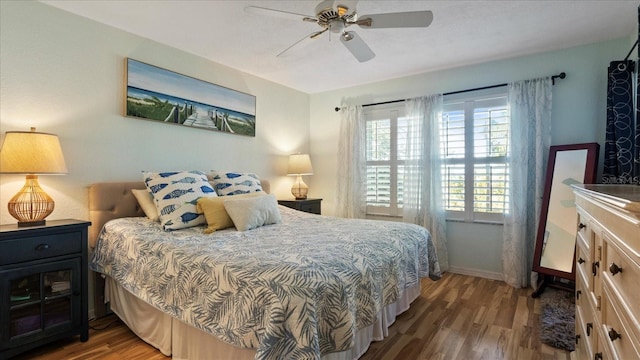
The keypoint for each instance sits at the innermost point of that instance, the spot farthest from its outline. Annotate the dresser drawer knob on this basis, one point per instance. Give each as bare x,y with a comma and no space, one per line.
597,356
594,268
614,269
42,247
581,261
614,335
581,226
589,327
578,292
577,338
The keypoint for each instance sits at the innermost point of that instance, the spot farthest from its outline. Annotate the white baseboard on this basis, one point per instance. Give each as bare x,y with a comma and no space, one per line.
478,273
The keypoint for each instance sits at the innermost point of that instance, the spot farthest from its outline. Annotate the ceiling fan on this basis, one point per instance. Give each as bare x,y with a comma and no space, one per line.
336,16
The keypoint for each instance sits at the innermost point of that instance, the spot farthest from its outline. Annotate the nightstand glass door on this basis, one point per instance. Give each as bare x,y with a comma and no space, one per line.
42,299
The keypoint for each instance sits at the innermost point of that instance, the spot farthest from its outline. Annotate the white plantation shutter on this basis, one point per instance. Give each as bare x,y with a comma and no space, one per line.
474,144
452,149
378,145
385,148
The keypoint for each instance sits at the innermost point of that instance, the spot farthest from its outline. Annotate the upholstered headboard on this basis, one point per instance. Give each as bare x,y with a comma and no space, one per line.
113,200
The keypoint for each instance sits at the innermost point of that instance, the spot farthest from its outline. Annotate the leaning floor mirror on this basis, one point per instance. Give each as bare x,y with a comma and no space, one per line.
554,255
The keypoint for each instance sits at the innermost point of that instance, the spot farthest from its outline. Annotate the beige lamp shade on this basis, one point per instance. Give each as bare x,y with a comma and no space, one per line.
31,153
300,164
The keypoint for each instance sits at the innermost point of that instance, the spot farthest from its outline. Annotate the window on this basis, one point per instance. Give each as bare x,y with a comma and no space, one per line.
385,146
474,147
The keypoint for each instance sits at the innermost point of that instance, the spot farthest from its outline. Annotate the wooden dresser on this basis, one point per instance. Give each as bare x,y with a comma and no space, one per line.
608,272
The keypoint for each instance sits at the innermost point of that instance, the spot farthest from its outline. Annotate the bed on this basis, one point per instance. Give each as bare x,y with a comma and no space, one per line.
309,287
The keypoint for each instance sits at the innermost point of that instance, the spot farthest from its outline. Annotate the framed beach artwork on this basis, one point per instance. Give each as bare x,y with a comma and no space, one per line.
167,97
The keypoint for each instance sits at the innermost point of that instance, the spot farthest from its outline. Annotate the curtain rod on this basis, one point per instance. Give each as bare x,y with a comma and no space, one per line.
562,75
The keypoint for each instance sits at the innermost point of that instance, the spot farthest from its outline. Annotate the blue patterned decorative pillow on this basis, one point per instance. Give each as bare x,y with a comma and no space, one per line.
232,183
176,194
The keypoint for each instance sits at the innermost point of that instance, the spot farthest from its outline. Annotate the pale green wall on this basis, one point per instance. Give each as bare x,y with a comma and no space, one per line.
64,74
579,113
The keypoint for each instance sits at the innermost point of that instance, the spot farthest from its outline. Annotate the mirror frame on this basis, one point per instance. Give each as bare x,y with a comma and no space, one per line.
589,178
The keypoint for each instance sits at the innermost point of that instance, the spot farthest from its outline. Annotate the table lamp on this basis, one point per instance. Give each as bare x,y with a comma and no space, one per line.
299,164
31,153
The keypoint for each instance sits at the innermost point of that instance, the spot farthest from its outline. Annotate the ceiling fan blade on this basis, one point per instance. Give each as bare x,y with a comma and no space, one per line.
313,35
396,20
357,46
279,13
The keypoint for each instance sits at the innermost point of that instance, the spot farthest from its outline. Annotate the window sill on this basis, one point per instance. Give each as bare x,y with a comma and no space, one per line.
487,222
387,217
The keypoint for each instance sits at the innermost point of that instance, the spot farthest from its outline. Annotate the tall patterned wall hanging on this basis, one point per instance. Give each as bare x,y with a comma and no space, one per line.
636,172
619,147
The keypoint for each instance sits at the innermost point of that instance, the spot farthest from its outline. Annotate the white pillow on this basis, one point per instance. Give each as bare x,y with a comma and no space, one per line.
233,183
253,212
176,195
145,200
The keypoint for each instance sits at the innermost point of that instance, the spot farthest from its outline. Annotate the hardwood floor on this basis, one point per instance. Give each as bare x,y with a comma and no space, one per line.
457,317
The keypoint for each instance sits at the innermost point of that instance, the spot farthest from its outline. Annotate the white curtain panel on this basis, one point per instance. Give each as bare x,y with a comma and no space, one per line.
352,163
530,106
422,197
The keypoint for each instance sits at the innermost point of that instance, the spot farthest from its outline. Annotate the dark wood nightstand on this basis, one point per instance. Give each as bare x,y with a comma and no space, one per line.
308,205
43,284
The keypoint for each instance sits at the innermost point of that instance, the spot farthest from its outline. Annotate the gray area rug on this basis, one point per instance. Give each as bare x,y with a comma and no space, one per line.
557,319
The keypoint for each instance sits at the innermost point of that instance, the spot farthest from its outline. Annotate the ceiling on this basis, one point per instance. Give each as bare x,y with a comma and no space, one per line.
462,33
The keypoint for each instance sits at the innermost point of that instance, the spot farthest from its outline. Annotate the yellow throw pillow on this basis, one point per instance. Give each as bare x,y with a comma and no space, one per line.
215,213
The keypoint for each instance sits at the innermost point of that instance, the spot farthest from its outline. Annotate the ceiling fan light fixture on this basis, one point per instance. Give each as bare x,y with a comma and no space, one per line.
336,26
342,10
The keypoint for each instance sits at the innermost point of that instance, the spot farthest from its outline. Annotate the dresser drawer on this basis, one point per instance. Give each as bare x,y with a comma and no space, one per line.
584,265
583,348
584,229
623,275
620,334
597,265
39,247
603,350
586,324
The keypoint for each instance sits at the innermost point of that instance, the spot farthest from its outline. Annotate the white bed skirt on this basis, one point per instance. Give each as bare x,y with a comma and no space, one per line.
184,342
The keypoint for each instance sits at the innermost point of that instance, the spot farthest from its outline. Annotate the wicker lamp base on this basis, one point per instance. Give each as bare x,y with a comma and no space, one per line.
31,205
299,189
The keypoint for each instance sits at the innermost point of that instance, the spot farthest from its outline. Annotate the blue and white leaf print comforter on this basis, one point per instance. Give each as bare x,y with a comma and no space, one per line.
295,290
